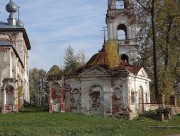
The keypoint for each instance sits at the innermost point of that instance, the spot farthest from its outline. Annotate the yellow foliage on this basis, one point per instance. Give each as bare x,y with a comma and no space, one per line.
20,92
113,56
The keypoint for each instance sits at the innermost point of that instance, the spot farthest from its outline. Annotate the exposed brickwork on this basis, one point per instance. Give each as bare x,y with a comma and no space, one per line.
100,93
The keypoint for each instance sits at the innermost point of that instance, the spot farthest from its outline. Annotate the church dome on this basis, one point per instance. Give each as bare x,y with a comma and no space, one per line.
11,7
100,58
19,23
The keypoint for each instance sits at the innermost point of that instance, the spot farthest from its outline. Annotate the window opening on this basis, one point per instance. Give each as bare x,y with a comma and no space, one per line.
121,32
132,98
125,58
146,98
121,35
120,4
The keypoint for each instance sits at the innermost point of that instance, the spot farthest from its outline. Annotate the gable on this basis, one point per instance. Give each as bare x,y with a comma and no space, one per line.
95,71
142,73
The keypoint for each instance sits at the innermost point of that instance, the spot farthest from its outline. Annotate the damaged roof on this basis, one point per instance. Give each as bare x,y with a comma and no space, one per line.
101,59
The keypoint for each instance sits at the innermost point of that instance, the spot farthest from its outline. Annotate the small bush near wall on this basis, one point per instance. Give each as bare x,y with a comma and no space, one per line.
150,114
33,108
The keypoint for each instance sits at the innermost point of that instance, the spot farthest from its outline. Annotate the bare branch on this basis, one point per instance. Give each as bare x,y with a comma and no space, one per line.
145,8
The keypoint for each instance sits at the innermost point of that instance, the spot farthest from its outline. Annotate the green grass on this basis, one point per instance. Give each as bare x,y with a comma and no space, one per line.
68,124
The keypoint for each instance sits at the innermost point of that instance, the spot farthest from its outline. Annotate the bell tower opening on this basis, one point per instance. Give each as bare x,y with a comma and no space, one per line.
120,4
121,32
121,28
125,58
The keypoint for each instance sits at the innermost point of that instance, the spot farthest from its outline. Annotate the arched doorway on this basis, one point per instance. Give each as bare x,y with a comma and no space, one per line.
56,98
9,90
141,101
96,106
9,95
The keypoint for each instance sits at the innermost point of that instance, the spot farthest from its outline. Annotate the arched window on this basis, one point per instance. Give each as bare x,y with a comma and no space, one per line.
121,32
133,98
120,4
117,100
9,94
55,92
75,100
95,96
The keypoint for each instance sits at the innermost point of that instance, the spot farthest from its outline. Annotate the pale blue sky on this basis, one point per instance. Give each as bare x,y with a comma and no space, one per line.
53,25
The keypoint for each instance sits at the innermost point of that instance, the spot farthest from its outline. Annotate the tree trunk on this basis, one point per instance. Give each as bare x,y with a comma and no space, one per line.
154,52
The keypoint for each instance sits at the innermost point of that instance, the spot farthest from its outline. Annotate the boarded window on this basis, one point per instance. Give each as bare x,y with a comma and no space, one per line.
75,100
95,97
117,100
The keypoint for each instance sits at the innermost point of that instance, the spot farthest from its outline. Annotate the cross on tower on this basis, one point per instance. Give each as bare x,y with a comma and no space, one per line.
104,30
18,12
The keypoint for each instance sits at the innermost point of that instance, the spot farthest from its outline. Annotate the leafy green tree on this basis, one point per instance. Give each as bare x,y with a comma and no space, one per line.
33,78
70,61
146,12
168,39
38,86
160,20
55,70
81,59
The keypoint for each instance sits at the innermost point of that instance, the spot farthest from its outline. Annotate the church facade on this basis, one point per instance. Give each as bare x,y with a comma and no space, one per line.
14,47
95,89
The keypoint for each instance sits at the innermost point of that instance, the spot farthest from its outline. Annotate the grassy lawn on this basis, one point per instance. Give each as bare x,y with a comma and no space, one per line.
68,124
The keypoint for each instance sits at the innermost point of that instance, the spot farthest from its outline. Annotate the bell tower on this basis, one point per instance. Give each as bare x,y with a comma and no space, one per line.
120,27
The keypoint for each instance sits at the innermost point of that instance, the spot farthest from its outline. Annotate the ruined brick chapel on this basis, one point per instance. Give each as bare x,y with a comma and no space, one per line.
97,90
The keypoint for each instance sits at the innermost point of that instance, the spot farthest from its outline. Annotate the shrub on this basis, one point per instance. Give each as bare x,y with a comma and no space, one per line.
150,114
